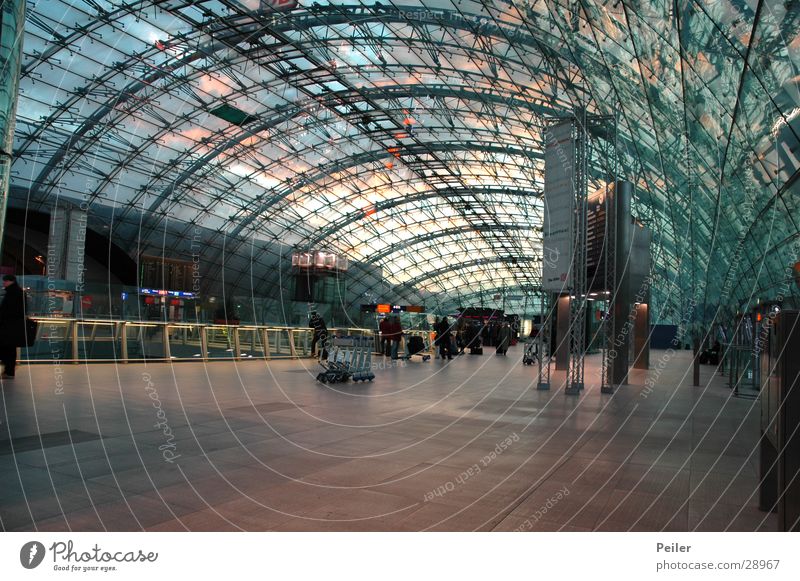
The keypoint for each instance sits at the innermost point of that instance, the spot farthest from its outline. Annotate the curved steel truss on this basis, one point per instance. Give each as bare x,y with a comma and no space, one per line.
409,136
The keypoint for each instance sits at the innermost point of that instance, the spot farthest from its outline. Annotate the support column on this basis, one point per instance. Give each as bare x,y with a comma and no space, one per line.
579,290
788,333
562,334
122,335
203,342
621,293
543,339
237,346
12,23
641,337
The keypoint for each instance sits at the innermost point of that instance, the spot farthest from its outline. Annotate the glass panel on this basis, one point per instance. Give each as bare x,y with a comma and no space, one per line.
220,341
145,341
97,340
184,342
407,144
250,343
53,341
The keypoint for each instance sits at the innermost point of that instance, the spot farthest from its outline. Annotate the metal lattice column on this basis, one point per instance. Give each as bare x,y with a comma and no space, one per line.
610,265
577,305
610,273
543,339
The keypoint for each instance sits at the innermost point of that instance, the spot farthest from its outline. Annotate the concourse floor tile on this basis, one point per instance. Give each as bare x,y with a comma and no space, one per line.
448,446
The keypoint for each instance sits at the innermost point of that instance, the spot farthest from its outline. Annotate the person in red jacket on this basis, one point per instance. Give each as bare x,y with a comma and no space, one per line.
395,334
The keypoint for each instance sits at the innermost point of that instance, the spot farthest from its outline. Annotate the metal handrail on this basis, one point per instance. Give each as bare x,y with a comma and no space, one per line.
65,339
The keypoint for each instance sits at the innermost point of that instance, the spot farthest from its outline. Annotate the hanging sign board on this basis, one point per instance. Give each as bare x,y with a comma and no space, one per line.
559,206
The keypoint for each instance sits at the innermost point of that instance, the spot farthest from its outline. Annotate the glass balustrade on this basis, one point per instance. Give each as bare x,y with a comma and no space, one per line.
66,339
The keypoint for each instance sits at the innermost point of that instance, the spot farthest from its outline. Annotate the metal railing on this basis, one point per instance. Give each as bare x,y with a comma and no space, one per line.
743,371
78,340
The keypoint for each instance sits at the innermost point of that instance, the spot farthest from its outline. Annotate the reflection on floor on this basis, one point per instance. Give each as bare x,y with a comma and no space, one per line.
463,445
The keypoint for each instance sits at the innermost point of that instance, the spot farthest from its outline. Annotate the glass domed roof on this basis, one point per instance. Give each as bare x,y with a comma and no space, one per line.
409,136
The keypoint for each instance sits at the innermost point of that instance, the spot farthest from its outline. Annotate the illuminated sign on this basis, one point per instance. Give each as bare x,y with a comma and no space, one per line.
385,308
166,293
319,260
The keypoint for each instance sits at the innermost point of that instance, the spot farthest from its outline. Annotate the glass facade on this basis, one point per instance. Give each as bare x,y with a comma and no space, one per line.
12,15
408,137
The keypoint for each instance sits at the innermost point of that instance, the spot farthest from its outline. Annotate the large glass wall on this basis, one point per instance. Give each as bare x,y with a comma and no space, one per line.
12,18
408,137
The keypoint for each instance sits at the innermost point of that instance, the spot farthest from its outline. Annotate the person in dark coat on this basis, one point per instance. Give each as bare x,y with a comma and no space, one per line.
444,338
12,324
385,329
317,323
503,339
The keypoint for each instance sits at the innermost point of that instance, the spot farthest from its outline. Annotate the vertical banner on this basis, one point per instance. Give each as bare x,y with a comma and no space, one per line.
559,206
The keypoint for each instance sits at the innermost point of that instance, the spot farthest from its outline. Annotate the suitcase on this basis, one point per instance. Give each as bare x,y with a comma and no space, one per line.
476,350
415,345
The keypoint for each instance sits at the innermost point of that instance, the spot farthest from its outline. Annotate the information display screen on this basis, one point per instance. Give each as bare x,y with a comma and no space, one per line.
384,308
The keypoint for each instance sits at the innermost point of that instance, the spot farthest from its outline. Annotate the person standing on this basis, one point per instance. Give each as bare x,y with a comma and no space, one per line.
461,339
12,325
445,339
396,333
384,330
503,338
317,323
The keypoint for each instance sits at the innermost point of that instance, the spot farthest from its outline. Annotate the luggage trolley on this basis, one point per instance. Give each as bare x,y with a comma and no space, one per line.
531,354
349,357
362,359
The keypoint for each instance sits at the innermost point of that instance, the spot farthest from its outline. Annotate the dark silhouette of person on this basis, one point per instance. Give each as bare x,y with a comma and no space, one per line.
317,323
12,324
384,327
444,338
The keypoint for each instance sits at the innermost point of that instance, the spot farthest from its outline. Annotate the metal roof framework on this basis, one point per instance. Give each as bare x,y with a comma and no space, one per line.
409,136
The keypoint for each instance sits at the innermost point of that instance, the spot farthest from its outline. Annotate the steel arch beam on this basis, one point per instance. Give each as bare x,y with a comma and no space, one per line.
412,283
369,157
238,28
383,205
377,93
443,233
356,160
443,193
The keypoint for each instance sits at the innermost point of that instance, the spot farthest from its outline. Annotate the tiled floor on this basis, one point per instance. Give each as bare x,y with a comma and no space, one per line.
464,445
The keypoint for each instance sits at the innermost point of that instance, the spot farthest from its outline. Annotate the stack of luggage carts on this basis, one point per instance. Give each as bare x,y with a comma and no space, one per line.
531,354
348,358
